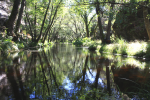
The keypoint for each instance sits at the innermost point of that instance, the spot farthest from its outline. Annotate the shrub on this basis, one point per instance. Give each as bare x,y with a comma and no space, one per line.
78,42
103,48
92,47
115,49
20,45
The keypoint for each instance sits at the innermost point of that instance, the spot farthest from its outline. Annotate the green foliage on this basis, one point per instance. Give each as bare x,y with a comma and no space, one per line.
115,49
7,45
20,45
141,53
86,39
40,44
103,48
84,42
121,48
33,44
78,42
93,47
148,51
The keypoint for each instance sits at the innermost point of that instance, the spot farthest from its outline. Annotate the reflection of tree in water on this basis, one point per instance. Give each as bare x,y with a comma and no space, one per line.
12,80
132,80
60,73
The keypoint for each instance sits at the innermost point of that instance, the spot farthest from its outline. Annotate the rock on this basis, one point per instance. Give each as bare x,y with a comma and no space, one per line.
4,12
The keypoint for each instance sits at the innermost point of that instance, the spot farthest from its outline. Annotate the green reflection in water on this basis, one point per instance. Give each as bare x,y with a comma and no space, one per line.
63,72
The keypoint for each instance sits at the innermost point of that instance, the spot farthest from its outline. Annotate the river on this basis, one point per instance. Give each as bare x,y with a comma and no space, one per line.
66,72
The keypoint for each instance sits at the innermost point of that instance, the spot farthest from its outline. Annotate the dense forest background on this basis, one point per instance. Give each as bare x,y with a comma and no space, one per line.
40,21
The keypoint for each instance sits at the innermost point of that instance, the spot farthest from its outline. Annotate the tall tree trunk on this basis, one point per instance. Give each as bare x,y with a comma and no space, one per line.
85,18
19,17
35,25
87,30
109,21
95,30
50,25
10,23
43,22
99,20
27,17
146,20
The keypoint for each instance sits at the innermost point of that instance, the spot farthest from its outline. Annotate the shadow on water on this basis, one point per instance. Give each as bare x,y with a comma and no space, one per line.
65,72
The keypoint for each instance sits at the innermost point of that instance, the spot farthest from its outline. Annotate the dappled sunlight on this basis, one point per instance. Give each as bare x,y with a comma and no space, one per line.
135,47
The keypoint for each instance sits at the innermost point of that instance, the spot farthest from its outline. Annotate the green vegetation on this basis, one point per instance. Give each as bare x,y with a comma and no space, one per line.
115,27
83,22
120,46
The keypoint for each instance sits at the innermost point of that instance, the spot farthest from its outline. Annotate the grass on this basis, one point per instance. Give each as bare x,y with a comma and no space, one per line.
120,46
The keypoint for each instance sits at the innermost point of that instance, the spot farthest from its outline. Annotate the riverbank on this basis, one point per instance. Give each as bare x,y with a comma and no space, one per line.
140,49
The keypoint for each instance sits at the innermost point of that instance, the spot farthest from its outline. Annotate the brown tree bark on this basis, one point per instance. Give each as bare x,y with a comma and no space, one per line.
35,24
10,23
43,22
99,20
85,18
146,20
87,30
109,22
51,23
19,17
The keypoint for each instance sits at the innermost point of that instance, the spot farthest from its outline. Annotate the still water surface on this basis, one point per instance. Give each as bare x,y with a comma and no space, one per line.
66,72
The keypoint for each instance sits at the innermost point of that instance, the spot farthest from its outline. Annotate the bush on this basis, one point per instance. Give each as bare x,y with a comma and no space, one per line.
78,42
20,45
103,48
92,47
115,49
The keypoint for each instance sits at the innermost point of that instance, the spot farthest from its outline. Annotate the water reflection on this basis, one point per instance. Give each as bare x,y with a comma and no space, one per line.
68,73
132,80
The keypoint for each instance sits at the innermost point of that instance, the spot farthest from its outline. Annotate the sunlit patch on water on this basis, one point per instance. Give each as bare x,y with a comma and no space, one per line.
67,84
89,78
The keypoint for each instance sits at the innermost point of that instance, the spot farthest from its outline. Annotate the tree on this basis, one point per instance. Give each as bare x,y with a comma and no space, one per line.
84,12
109,21
98,11
10,23
35,16
19,18
146,19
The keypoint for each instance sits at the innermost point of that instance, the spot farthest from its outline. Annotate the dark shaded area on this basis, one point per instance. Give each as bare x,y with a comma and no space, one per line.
129,24
130,79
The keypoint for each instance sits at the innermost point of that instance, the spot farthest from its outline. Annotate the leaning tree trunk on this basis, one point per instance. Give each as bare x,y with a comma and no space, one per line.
146,20
19,17
10,23
42,26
